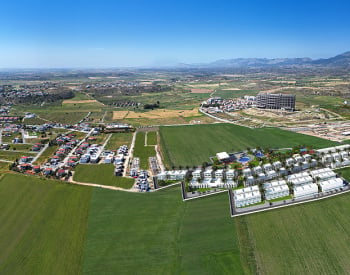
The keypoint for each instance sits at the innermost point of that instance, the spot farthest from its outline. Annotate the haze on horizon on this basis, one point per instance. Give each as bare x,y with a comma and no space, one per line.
95,34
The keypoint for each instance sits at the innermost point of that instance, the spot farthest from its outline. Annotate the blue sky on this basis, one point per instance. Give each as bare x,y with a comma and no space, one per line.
151,33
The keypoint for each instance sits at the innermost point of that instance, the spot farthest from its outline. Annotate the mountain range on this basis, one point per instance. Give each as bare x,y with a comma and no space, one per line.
341,60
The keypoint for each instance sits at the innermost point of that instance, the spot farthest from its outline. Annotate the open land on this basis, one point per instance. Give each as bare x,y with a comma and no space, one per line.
184,145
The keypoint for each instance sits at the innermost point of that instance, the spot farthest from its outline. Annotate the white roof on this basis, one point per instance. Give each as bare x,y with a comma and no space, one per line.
222,155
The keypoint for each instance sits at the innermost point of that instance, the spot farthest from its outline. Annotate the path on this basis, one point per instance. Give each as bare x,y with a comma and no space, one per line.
130,155
40,153
132,189
4,160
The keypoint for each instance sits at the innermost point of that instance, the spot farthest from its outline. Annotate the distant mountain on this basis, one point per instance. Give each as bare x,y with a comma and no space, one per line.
342,60
259,62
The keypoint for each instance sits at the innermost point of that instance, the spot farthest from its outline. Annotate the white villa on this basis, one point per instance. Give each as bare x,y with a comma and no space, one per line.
247,196
305,190
331,184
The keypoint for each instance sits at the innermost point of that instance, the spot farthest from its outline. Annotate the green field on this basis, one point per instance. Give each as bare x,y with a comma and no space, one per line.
101,174
50,227
143,152
311,238
132,234
46,154
152,138
13,155
43,225
118,139
193,145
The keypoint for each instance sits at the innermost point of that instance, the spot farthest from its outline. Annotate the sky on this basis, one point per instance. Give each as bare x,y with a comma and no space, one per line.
98,34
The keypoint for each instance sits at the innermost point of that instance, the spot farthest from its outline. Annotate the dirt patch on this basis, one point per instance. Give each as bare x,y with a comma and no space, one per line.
154,114
231,89
119,114
80,101
201,91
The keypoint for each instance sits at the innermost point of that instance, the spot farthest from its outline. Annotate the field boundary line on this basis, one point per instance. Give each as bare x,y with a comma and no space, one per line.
206,195
164,187
289,204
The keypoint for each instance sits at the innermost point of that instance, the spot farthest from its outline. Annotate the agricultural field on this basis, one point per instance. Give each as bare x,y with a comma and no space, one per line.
151,138
101,174
43,225
311,238
50,150
4,166
159,234
143,152
119,139
193,145
13,155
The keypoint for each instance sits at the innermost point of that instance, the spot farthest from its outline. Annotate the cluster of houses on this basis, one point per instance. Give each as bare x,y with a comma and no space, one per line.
92,153
219,105
335,157
119,160
142,181
304,185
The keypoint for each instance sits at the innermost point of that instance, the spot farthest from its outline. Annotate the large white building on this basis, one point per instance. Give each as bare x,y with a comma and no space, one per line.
305,190
278,191
331,184
247,196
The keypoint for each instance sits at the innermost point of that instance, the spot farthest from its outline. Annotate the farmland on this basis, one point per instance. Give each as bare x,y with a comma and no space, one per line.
152,138
143,152
101,174
311,238
118,139
160,233
42,226
192,145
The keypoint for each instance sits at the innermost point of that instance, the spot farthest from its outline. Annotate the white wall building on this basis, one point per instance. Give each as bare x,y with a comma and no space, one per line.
306,190
331,184
247,196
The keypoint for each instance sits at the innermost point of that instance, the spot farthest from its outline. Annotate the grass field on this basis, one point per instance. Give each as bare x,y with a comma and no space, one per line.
152,138
192,145
56,228
101,174
43,225
118,139
46,154
13,155
141,151
159,234
311,238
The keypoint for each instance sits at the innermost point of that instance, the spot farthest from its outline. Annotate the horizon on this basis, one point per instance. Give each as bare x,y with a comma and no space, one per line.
86,35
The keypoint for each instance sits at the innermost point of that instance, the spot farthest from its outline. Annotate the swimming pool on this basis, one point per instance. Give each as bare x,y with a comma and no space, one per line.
244,159
259,155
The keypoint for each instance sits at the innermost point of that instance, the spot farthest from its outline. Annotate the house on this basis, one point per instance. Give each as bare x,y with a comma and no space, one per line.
219,174
332,184
267,167
230,174
271,174
279,191
277,165
208,174
305,190
247,172
290,161
247,196
257,170
197,174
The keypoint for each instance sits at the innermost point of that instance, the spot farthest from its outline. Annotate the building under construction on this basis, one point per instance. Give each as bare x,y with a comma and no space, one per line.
276,101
